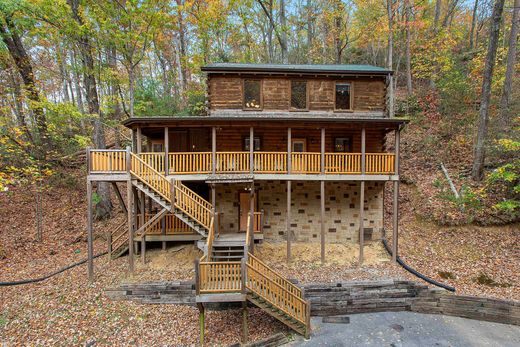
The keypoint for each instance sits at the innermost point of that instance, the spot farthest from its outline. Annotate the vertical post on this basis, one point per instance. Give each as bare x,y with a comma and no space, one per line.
166,151
213,150
251,150
143,248
390,95
252,218
89,167
289,150
363,151
288,221
322,154
395,212
245,331
136,216
172,194
139,141
201,322
90,249
163,229
134,140
361,221
322,219
130,210
128,159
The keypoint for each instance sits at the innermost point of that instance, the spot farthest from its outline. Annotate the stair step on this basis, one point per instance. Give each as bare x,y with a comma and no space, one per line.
227,257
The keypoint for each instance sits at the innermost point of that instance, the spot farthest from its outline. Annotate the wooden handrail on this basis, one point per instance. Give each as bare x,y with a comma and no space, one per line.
210,238
249,236
232,162
150,176
276,290
258,225
154,159
107,160
219,277
193,205
172,225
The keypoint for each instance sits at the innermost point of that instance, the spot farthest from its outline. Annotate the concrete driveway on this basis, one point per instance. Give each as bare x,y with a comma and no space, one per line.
396,329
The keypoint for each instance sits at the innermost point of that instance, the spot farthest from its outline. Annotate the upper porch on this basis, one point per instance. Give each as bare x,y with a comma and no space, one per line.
210,149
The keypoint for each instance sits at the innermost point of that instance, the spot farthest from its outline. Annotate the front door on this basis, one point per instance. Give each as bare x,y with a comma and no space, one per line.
298,160
245,199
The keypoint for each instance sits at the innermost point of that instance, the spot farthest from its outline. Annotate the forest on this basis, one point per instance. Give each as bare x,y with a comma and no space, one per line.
72,70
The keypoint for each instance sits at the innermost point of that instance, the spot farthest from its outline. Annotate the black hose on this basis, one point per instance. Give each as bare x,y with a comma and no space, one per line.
16,283
418,274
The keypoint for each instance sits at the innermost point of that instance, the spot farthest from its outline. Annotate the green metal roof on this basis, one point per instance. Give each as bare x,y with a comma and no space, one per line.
297,68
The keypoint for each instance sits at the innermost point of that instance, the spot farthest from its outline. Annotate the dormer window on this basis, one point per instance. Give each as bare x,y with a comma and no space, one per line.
252,95
343,96
298,95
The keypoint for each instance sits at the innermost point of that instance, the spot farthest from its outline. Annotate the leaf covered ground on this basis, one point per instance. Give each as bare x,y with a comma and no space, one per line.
66,310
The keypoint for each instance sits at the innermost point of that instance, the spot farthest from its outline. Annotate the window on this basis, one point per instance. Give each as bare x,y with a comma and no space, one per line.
298,95
299,145
256,141
343,96
157,146
343,144
252,94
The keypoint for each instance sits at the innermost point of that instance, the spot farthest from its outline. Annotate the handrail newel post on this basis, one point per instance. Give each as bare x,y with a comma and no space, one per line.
88,160
172,193
243,274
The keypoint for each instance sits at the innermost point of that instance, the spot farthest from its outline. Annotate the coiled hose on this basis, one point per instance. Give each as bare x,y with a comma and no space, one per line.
16,283
416,273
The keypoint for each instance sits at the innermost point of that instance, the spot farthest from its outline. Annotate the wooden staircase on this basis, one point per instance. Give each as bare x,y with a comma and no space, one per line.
189,207
225,276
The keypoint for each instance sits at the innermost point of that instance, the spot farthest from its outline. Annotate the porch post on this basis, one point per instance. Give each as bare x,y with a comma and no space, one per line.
130,210
213,150
395,212
288,221
166,151
251,150
213,202
89,233
139,141
289,150
363,151
362,198
361,221
134,140
252,216
322,196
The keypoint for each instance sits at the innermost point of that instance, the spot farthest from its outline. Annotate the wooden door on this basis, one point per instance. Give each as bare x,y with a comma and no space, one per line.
178,141
200,140
298,160
245,200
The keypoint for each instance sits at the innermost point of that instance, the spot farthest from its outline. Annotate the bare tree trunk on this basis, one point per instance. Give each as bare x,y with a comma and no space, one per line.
131,87
504,117
409,89
390,54
494,31
283,27
14,44
104,206
437,15
309,31
473,24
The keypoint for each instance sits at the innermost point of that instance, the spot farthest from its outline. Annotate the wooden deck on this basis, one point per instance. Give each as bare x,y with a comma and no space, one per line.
261,165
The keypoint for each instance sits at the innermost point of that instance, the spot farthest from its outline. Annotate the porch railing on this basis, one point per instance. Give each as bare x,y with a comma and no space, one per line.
110,161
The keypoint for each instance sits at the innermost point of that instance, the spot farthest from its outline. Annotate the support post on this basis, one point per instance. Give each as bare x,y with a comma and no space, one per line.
395,212
163,230
289,150
288,221
251,150
252,218
245,330
143,248
363,151
322,219
136,216
130,209
201,322
213,150
139,141
172,194
90,249
361,221
89,167
322,154
166,151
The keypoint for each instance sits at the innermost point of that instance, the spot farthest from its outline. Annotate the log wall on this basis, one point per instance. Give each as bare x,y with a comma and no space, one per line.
225,92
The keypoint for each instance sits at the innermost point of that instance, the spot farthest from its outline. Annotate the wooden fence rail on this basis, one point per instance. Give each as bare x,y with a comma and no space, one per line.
219,277
193,205
149,175
107,160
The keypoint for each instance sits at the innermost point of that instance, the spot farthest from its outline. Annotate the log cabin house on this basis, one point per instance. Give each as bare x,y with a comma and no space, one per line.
291,153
